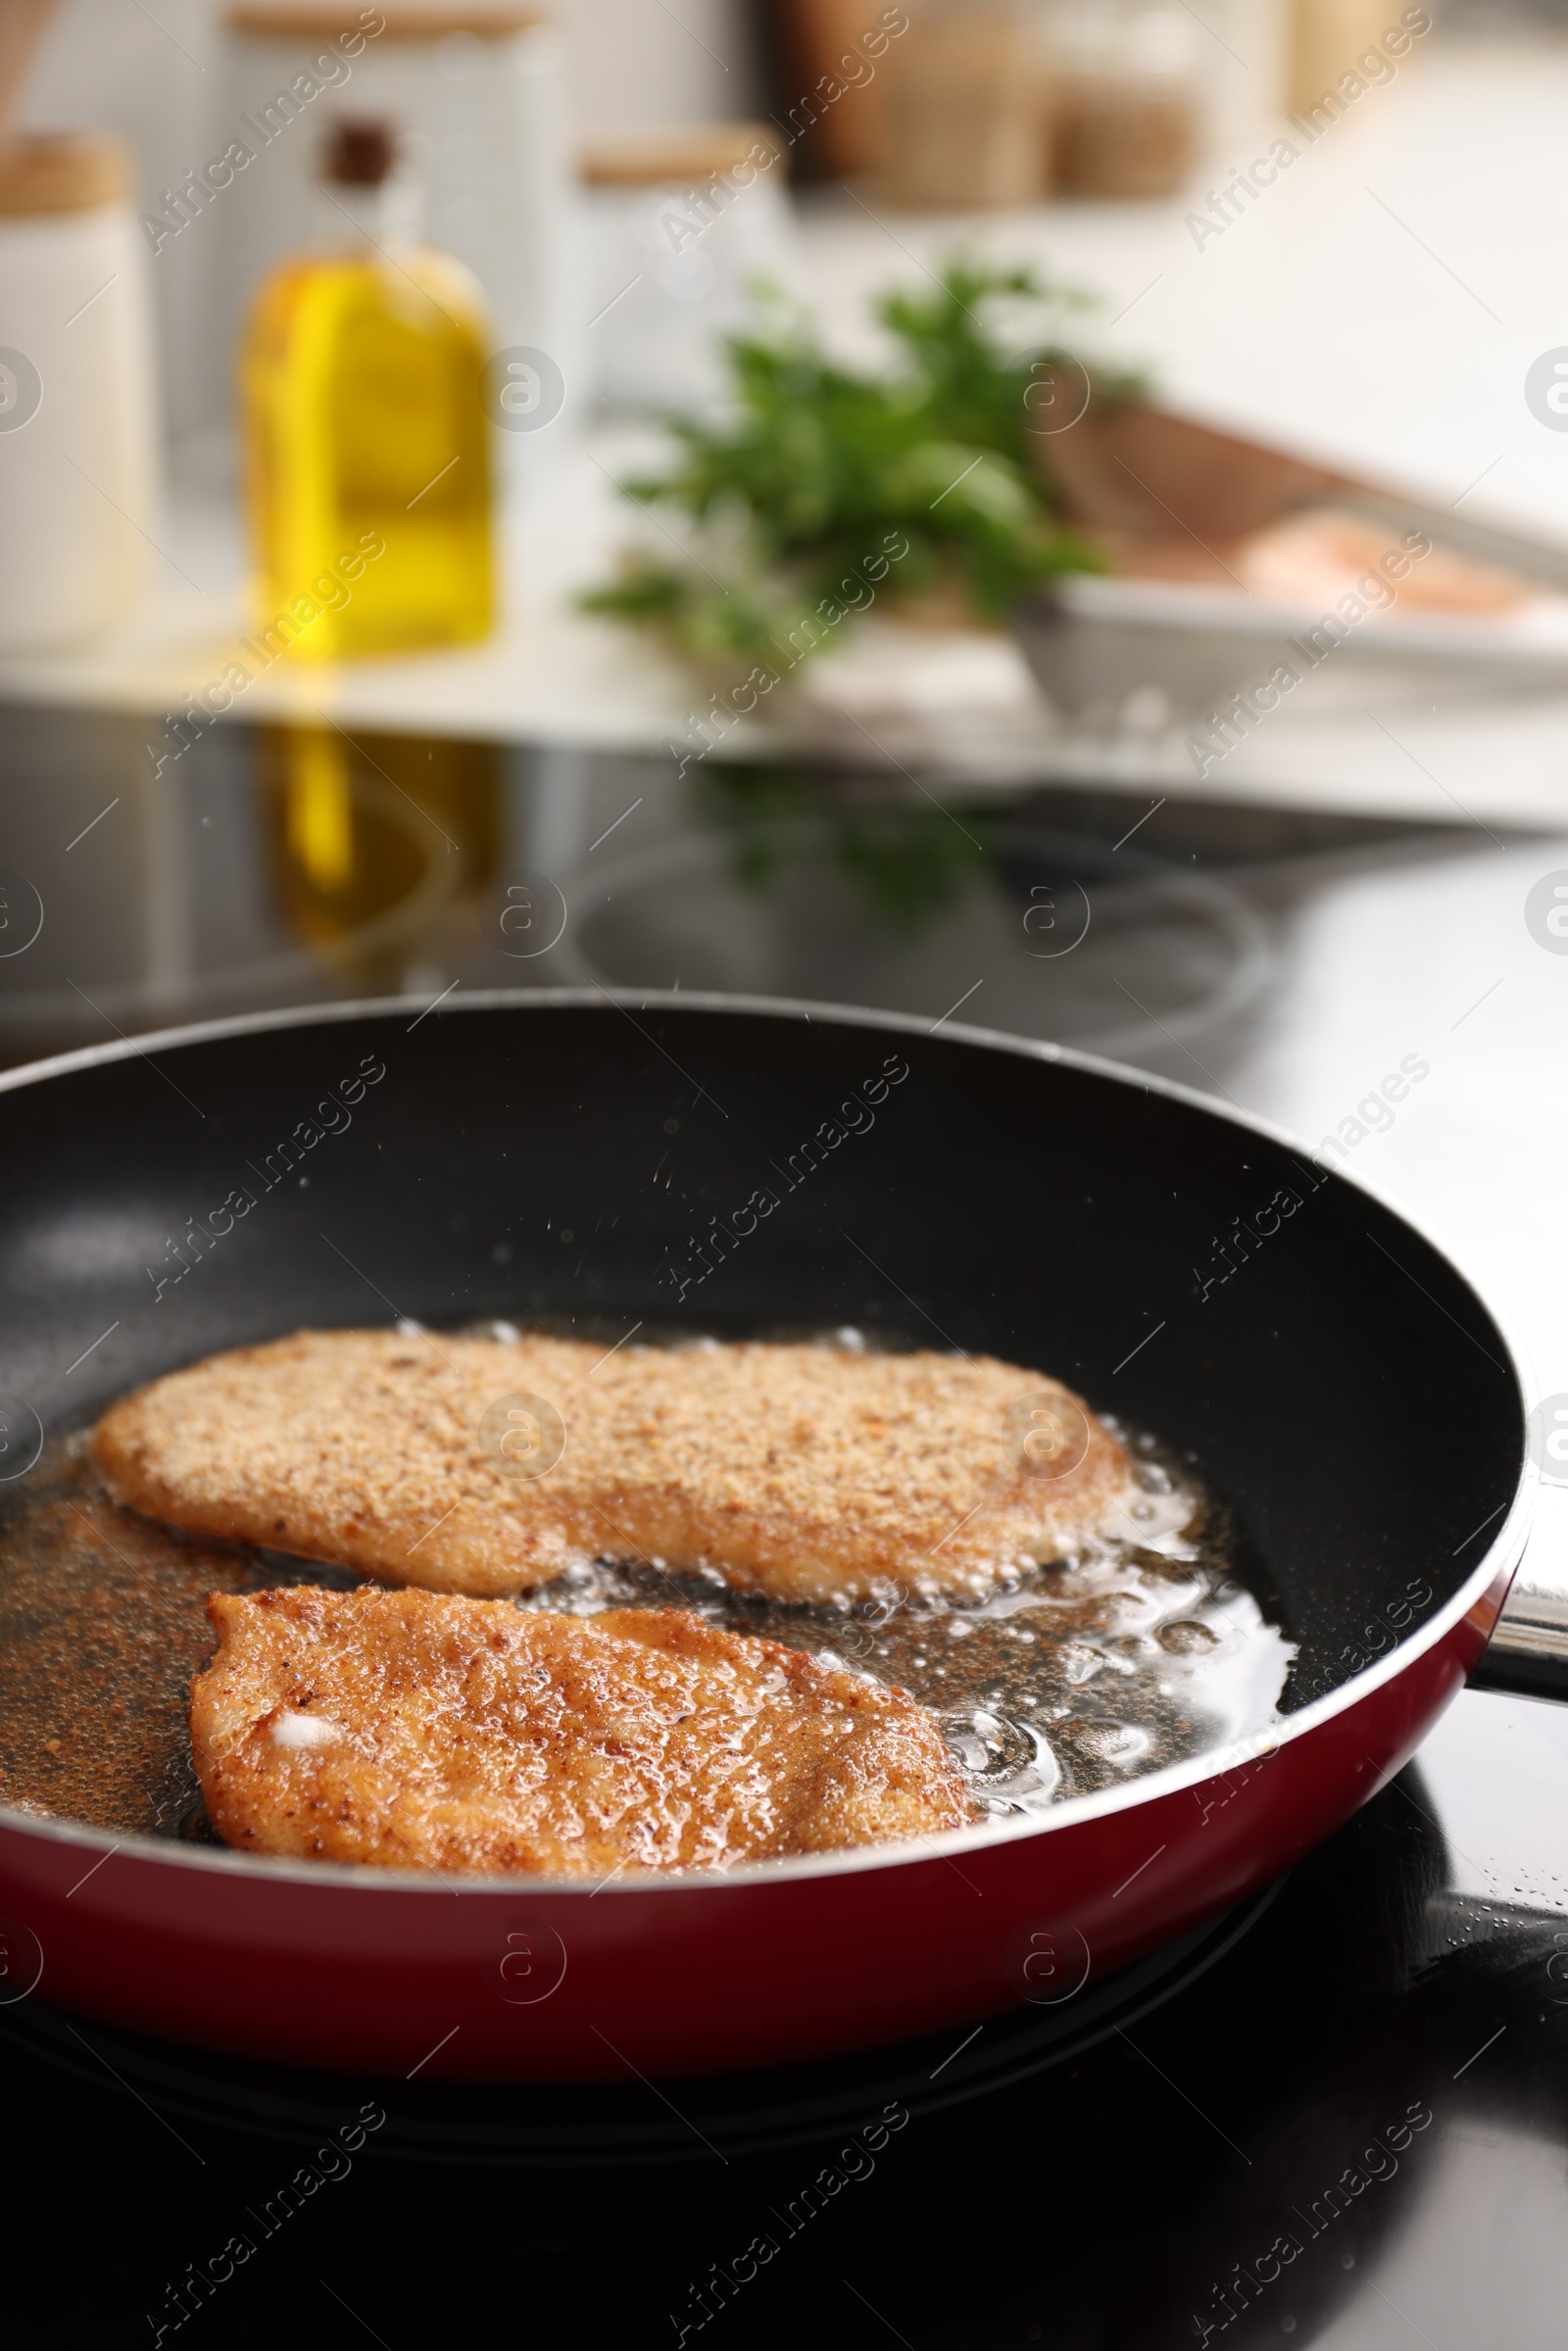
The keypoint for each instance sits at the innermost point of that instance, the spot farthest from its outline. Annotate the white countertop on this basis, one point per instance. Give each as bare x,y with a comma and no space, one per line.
1377,309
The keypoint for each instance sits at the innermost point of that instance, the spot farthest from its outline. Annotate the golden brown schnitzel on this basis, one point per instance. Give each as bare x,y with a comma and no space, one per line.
810,1473
417,1730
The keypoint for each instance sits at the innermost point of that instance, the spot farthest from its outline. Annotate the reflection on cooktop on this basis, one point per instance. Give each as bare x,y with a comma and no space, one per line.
1336,2119
1025,928
272,866
278,865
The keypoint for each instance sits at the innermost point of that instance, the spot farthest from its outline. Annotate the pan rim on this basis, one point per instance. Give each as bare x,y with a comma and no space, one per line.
1501,1558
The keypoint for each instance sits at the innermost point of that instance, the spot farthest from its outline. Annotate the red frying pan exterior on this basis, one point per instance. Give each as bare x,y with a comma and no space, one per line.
490,1982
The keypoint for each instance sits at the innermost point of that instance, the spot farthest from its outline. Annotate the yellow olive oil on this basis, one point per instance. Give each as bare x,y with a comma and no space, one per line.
368,450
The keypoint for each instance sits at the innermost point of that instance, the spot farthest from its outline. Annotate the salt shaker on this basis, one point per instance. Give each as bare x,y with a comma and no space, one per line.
78,443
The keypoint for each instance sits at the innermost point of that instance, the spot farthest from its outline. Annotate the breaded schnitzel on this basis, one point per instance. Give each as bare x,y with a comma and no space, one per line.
810,1473
417,1730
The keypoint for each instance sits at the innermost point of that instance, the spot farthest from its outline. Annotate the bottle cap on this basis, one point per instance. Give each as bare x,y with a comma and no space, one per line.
358,151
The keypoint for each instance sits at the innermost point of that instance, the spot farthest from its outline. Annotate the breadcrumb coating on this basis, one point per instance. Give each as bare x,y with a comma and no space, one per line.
418,1729
808,1473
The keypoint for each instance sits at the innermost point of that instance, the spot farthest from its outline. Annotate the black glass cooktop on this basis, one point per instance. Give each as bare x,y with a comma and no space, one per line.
276,865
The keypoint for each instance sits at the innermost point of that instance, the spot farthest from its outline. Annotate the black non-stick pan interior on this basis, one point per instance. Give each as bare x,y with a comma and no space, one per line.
609,1162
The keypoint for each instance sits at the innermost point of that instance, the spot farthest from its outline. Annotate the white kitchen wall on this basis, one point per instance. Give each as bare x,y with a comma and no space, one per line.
155,73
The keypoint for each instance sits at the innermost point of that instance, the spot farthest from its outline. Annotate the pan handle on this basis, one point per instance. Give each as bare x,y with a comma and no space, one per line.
1528,1652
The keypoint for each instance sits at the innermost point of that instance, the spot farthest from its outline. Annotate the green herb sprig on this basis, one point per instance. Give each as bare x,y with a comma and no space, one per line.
923,484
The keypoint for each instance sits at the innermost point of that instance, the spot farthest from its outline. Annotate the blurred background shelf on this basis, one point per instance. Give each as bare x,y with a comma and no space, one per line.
1376,312
1379,304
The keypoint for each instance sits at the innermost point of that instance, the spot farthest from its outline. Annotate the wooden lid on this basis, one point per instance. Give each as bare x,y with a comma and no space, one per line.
658,158
61,171
324,19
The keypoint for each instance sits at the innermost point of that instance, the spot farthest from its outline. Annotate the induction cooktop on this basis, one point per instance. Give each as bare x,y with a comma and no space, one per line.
1337,2116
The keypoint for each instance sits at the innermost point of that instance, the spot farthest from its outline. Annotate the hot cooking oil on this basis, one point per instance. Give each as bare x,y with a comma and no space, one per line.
367,447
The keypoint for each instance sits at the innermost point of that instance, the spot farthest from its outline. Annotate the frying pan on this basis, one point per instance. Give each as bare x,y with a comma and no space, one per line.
1343,1387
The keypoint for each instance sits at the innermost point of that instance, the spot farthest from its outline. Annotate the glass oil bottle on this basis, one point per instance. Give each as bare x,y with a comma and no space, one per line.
366,447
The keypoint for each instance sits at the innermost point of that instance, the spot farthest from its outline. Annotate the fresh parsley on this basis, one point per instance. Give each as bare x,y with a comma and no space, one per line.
824,488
